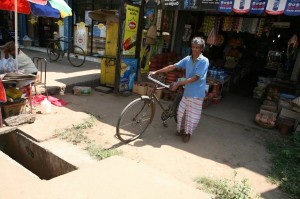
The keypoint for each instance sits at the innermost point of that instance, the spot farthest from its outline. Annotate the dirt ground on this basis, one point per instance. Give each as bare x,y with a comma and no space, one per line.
217,148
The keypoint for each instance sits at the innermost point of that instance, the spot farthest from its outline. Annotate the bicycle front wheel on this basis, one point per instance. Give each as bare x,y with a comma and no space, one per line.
76,56
135,119
53,51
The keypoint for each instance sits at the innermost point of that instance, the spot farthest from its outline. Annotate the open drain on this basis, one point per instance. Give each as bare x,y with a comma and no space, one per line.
36,159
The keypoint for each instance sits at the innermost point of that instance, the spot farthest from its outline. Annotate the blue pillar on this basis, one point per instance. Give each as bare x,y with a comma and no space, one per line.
22,26
68,22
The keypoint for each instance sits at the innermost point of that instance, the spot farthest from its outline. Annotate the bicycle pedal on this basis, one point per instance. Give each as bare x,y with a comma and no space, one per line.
165,124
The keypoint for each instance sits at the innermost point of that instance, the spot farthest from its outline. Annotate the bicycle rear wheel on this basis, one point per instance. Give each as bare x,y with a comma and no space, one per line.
53,51
76,56
134,119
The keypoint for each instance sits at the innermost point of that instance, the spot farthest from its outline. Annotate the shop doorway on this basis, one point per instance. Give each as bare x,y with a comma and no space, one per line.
46,28
242,47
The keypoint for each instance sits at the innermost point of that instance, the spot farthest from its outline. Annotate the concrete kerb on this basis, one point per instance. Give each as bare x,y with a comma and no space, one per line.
44,50
60,90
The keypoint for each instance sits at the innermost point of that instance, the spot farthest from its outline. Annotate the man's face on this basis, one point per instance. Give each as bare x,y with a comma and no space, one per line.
196,50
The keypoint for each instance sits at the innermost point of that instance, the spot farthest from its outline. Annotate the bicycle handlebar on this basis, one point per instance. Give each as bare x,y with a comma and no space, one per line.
63,39
158,82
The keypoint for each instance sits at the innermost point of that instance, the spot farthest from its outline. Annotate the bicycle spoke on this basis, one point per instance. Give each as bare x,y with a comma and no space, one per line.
53,51
134,120
76,56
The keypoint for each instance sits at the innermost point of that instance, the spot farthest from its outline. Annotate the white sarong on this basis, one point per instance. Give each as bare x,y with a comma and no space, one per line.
189,113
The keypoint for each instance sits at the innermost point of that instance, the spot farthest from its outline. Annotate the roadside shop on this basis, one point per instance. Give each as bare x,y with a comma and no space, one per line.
252,46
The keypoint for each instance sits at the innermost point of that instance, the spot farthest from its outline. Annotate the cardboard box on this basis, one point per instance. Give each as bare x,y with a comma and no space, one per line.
266,112
289,114
158,93
140,88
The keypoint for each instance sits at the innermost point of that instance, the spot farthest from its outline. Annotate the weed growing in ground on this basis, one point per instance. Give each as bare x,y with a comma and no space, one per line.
227,189
77,134
100,153
285,170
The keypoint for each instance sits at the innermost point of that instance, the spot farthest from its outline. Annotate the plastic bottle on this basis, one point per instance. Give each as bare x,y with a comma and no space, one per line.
45,106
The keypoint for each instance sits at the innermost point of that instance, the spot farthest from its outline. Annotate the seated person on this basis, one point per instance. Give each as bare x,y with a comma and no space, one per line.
25,64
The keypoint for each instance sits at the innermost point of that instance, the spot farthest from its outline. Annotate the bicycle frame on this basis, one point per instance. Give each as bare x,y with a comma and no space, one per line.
139,113
62,51
167,112
153,96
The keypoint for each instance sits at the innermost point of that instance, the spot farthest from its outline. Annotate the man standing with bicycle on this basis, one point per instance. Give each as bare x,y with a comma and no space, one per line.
190,107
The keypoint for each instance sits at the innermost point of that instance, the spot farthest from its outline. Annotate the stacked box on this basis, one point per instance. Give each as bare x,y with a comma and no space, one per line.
140,88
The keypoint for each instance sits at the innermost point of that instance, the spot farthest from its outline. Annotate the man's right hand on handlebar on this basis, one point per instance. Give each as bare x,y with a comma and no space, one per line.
174,86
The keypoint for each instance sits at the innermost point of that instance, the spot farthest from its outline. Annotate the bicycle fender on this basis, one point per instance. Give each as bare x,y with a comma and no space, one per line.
144,97
153,105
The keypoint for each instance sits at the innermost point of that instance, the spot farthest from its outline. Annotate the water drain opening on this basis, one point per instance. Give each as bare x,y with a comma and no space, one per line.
30,155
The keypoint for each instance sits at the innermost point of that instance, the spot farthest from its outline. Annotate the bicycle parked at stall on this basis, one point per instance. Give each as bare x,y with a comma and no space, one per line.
138,114
75,54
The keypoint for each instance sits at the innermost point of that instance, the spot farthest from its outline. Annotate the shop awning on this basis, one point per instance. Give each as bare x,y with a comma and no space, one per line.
104,15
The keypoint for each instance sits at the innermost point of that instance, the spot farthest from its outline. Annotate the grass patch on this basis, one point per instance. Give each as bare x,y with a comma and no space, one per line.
78,134
285,169
226,188
99,152
208,185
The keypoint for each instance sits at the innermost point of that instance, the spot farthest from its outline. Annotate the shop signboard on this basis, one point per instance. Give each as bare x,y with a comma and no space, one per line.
87,19
152,3
191,4
292,8
171,4
145,54
241,6
96,31
211,5
130,31
150,17
275,7
258,6
128,74
135,2
80,35
226,5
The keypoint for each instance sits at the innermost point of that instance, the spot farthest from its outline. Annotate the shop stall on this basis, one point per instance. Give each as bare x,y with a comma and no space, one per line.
247,42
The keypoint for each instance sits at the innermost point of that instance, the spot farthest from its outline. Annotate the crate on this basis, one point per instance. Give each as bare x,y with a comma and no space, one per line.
27,43
14,109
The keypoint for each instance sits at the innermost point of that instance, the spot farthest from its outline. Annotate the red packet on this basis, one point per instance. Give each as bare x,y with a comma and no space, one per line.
2,93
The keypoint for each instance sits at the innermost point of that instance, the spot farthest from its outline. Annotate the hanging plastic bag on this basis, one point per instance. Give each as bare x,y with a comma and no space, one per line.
212,37
7,65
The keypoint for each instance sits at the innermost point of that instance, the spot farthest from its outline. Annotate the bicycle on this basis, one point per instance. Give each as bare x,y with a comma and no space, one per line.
138,114
75,54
